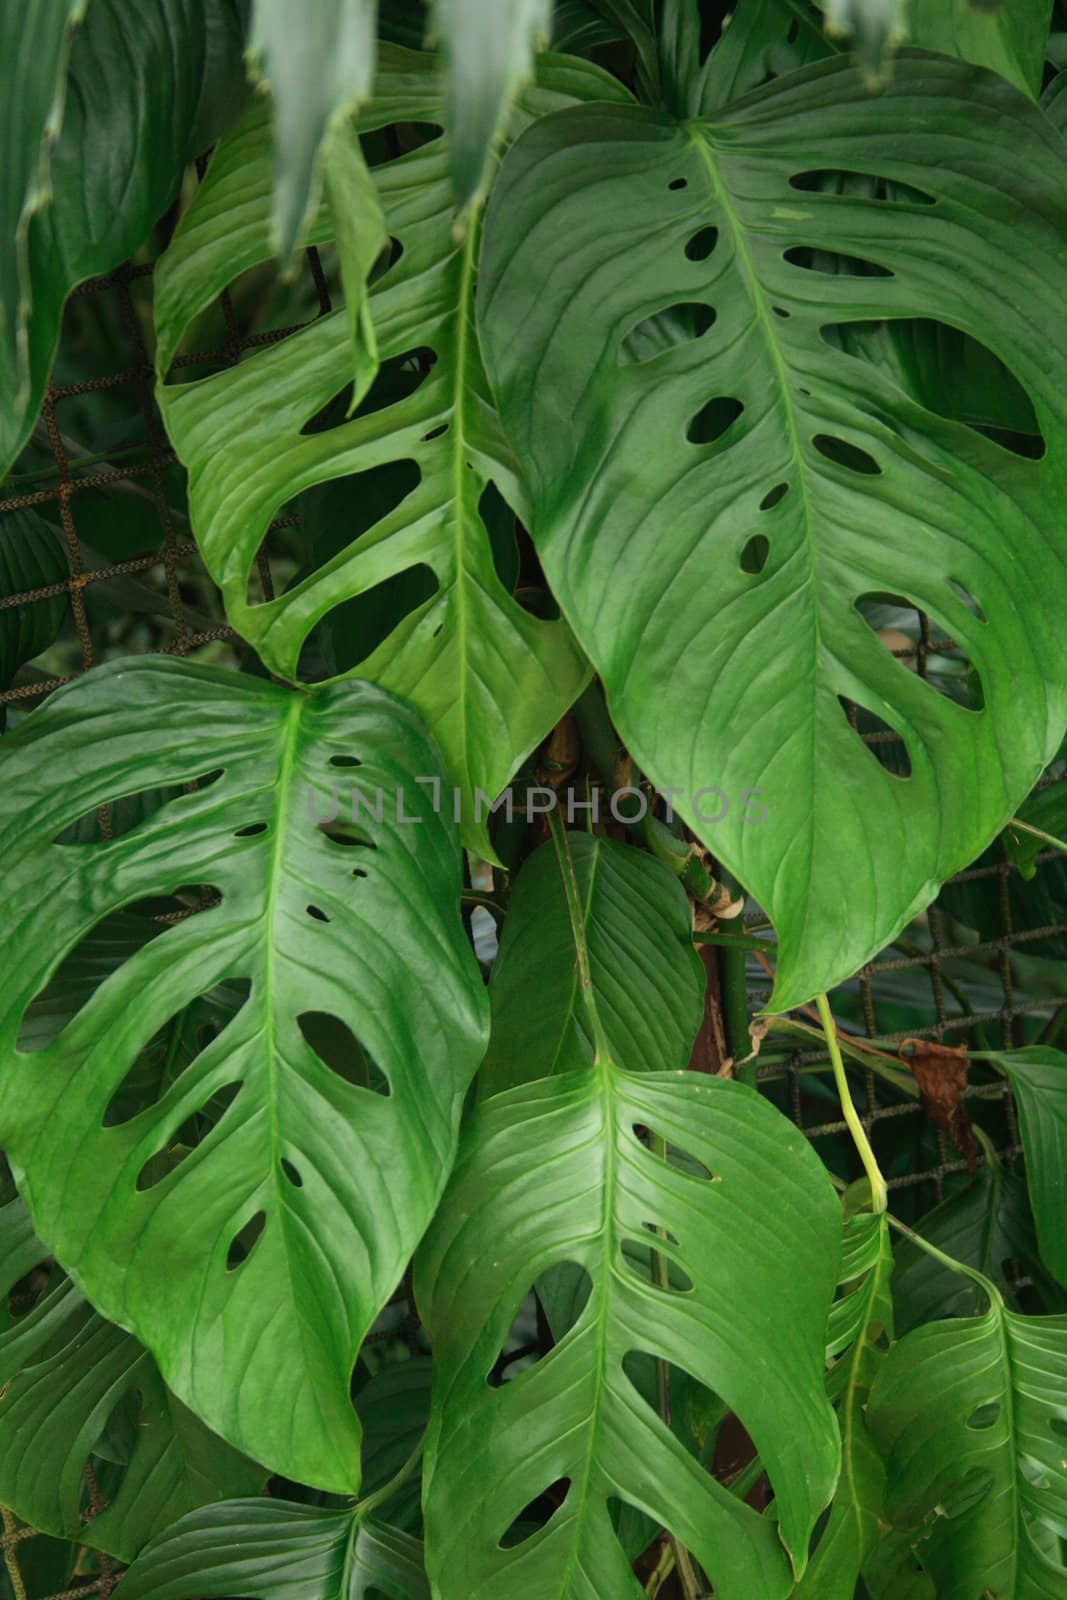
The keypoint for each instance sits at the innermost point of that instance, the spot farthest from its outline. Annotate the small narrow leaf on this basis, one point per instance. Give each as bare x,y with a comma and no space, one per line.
359,228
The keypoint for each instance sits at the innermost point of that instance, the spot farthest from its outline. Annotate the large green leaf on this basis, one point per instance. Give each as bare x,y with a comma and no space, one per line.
320,66
711,516
272,1550
1009,37
574,1169
855,1521
72,1386
349,1068
488,51
987,1226
970,1416
34,47
31,557
1039,1078
148,85
489,677
637,926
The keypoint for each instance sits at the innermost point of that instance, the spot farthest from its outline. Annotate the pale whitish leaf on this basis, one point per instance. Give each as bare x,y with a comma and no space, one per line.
970,1415
734,1207
273,1550
712,517
423,452
488,52
64,1374
318,61
251,1222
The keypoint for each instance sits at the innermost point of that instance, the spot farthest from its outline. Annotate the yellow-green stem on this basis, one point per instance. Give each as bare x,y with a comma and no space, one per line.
879,1193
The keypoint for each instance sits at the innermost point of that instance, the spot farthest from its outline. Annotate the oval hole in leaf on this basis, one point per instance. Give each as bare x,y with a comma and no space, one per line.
338,1049
395,380
639,1257
678,183
173,1049
535,1515
352,631
700,246
345,761
881,741
774,496
126,812
860,185
948,373
681,1160
317,913
985,1416
713,419
192,1132
834,263
755,553
499,520
291,1172
948,669
252,831
963,593
843,453
243,1243
666,330
347,835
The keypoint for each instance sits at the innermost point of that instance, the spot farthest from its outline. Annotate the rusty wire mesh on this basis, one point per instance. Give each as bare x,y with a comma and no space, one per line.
966,988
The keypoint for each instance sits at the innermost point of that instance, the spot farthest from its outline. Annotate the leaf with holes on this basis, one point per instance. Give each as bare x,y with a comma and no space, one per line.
855,1521
251,1223
274,1550
74,1388
714,515
488,676
696,1261
1038,1075
637,926
971,1417
146,87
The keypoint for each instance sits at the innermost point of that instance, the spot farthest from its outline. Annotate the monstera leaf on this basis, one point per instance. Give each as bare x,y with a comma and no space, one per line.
71,1386
139,97
271,1550
489,677
970,1416
719,488
250,1223
1039,1078
637,926
702,1221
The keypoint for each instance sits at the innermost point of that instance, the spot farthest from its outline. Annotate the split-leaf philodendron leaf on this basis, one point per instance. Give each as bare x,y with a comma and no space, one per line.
716,494
488,676
72,1386
702,1222
237,1224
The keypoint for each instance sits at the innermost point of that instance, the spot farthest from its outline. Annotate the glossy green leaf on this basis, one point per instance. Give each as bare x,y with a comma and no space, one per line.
249,1243
637,926
969,1416
359,228
489,53
855,1522
737,494
570,1169
987,1226
761,39
1045,810
489,677
1038,1076
31,557
148,84
319,67
35,41
273,1550
64,1375
1008,38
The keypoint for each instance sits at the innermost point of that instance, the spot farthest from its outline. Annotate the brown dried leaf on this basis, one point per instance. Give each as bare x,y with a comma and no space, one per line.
941,1073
